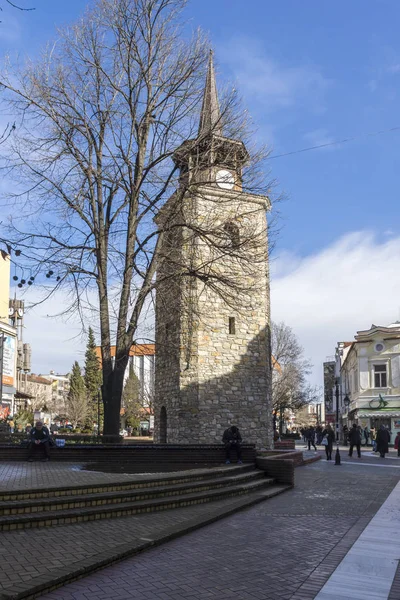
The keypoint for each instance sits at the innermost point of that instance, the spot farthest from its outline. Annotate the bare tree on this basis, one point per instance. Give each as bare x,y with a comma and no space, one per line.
290,389
16,6
95,157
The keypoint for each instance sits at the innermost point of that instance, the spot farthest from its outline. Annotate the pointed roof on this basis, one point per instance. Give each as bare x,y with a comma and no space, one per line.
210,117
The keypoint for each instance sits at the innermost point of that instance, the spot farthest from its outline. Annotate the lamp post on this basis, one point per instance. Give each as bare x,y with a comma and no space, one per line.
346,402
337,410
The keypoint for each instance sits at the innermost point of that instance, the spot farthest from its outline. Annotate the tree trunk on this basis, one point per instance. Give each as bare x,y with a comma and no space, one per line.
112,394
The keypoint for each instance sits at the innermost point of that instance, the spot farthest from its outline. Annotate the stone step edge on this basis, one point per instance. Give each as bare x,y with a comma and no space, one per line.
34,520
151,492
37,586
151,481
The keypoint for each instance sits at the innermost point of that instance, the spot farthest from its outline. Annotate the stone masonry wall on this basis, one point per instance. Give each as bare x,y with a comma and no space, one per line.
207,375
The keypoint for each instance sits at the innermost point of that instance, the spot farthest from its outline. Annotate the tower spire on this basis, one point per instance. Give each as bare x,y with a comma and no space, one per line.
210,117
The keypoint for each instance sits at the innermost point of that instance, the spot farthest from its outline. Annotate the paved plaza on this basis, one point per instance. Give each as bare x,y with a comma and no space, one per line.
290,547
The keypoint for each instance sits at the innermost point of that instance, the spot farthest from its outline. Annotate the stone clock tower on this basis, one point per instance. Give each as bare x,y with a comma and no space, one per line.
212,306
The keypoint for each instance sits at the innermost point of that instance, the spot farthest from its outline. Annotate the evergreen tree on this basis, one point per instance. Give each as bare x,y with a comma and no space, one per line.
92,379
77,402
131,398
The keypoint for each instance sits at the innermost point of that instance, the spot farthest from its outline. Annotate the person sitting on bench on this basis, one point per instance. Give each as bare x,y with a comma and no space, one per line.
232,439
40,439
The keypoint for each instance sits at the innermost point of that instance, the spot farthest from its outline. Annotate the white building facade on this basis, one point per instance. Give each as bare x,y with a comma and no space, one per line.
368,378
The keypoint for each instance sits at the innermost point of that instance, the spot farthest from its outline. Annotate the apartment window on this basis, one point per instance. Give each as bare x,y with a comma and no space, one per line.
380,374
232,327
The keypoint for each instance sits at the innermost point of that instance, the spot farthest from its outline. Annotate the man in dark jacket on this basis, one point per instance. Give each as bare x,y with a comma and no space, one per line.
40,440
329,436
310,434
355,440
382,441
232,439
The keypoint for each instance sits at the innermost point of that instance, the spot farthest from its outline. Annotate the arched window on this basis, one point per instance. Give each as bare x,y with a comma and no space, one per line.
232,230
163,425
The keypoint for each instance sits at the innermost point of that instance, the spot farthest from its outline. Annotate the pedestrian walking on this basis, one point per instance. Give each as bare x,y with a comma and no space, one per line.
327,441
397,443
372,435
311,438
382,441
355,440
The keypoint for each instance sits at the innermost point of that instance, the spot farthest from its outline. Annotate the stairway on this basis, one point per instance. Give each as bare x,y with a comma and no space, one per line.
48,507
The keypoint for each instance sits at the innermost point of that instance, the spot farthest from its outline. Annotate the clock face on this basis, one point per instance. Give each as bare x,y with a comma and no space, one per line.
225,179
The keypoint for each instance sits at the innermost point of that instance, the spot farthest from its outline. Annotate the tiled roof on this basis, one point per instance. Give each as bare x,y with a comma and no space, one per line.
38,379
136,350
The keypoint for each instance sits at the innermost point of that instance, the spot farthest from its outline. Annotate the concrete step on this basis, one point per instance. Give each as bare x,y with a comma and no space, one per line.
76,515
141,481
35,586
17,507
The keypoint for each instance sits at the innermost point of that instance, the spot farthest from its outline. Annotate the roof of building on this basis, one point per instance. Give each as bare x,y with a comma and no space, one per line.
392,330
38,379
136,350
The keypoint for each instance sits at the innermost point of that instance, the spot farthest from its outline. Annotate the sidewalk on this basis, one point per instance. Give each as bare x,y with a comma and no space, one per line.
286,548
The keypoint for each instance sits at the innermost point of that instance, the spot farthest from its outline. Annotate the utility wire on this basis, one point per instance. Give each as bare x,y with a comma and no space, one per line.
349,139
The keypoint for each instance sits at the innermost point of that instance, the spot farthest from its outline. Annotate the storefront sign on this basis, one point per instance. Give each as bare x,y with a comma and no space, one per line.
9,346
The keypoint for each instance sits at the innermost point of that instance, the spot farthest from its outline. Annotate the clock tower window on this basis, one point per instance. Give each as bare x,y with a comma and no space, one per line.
232,230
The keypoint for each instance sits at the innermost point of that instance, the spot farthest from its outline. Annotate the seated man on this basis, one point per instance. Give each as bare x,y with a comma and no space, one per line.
39,440
232,439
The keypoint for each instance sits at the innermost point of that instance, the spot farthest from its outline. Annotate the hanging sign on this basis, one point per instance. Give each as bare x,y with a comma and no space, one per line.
9,346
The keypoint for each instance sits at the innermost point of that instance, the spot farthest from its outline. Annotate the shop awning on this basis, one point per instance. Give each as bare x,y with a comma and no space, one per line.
385,412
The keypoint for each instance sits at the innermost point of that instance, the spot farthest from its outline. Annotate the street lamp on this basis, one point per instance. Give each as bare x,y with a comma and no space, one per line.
346,402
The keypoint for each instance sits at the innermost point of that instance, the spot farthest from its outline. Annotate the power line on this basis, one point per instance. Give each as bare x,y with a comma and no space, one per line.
349,139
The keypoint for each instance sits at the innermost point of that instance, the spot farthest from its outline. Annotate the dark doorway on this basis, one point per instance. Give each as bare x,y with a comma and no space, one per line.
163,425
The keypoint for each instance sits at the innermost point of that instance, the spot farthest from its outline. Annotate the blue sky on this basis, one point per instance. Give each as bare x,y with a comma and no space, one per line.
310,72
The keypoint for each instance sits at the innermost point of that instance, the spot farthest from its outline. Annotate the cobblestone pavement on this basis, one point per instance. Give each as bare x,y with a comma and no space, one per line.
18,475
285,548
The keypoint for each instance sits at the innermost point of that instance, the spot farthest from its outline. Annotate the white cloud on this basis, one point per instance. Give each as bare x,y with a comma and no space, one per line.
57,341
343,288
275,85
325,298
